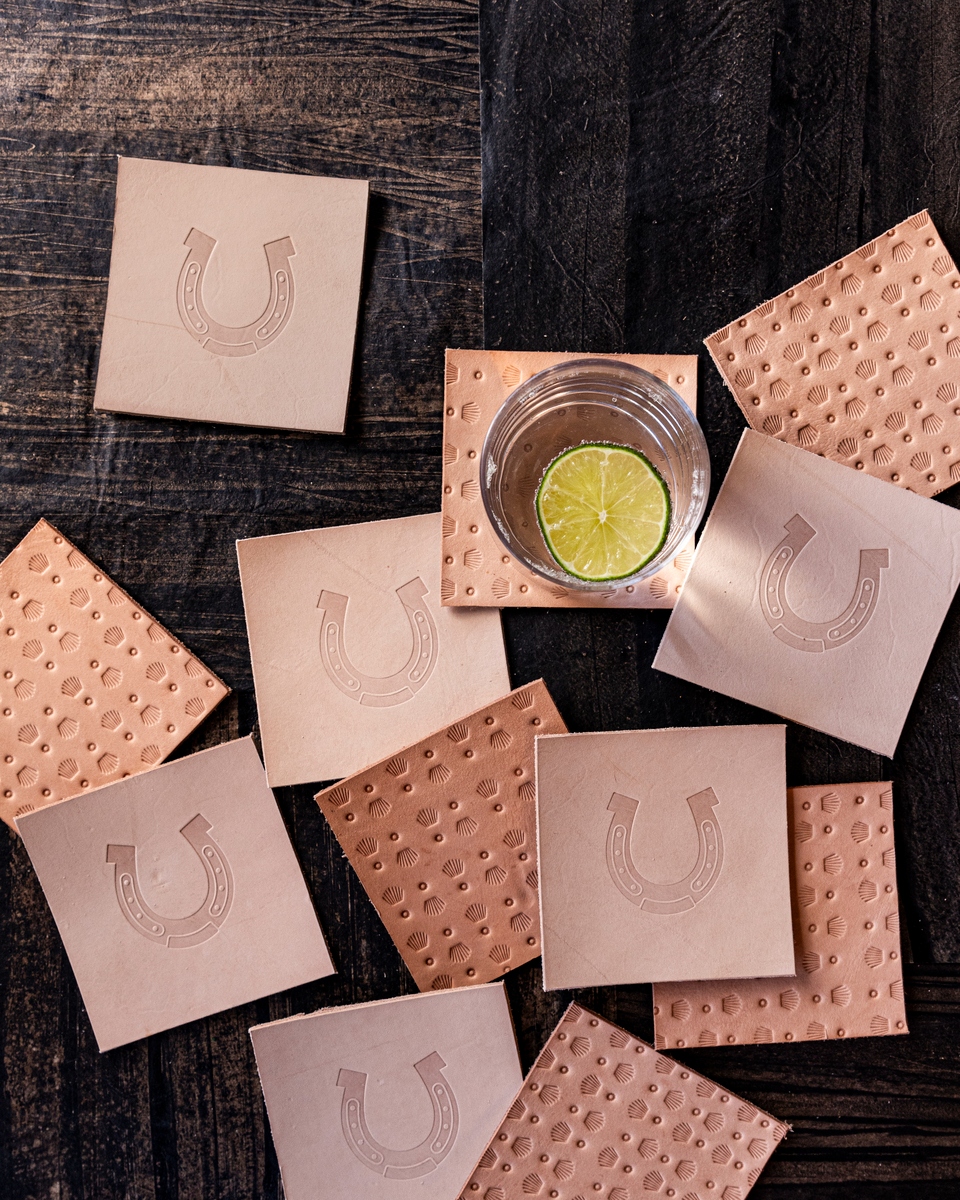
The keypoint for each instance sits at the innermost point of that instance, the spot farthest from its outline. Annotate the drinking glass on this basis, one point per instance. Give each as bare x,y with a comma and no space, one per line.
586,401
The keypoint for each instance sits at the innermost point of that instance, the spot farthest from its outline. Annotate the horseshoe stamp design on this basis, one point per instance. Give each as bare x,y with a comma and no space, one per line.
816,636
684,893
401,1164
380,691
234,341
199,926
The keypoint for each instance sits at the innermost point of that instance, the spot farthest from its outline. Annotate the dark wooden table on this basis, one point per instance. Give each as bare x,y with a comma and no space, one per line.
649,171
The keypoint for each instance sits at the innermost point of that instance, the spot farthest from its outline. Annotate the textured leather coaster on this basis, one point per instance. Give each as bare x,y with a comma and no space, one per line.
233,295
816,593
93,688
443,837
861,361
603,1114
476,569
177,893
663,855
849,980
387,1099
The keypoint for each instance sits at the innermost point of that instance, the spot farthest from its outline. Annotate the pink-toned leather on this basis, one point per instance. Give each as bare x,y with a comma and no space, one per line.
93,688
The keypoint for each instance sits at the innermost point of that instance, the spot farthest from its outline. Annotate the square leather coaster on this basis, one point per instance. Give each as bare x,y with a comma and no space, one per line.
177,893
443,837
390,1099
93,688
603,1114
861,361
815,593
477,570
663,855
353,657
233,295
849,978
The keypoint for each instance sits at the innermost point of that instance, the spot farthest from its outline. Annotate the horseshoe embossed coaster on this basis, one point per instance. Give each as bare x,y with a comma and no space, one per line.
477,570
816,593
177,893
93,688
663,854
443,838
859,361
378,1099
233,295
849,975
353,656
603,1114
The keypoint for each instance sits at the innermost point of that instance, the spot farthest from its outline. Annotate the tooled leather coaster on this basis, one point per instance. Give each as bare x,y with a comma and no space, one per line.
849,980
816,593
476,569
603,1114
177,893
443,838
663,855
233,295
861,361
93,688
388,1098
352,653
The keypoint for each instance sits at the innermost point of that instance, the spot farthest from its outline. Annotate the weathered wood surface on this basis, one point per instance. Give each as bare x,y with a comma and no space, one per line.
648,173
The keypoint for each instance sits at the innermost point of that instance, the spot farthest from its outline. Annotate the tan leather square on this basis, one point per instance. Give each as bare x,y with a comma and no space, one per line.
603,1114
443,838
846,923
476,569
233,295
387,1100
177,893
663,855
93,688
816,593
861,361
353,655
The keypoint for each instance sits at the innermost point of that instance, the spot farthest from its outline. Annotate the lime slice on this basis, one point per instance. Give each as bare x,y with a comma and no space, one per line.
604,511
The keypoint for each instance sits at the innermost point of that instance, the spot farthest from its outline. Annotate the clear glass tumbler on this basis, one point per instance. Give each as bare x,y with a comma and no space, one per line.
583,401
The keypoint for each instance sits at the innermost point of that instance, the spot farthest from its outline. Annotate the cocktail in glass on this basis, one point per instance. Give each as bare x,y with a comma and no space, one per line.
590,401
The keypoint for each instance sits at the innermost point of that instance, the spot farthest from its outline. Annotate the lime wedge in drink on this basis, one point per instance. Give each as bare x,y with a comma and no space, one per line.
604,511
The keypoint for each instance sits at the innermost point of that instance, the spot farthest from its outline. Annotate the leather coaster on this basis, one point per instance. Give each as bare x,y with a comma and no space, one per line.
233,295
352,654
816,593
860,362
477,570
849,980
663,855
390,1099
602,1113
443,838
177,893
93,688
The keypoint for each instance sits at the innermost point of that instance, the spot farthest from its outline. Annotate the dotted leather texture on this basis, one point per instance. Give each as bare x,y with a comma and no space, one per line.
476,570
443,837
93,689
849,980
603,1115
861,362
